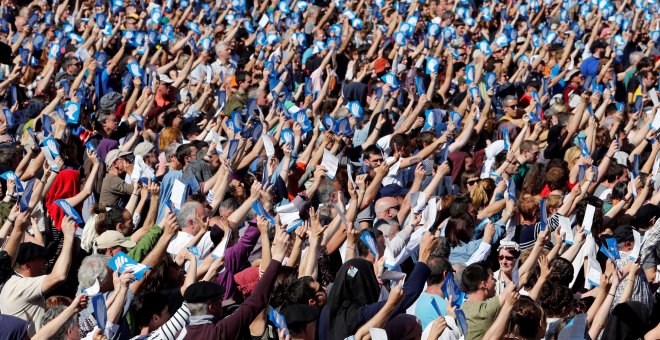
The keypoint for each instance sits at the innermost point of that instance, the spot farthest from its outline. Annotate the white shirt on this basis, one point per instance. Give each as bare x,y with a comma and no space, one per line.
182,238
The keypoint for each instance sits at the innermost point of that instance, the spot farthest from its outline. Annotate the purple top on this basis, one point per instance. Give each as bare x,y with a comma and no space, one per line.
235,257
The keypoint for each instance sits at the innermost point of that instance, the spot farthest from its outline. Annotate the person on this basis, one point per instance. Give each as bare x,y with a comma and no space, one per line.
424,309
482,305
22,295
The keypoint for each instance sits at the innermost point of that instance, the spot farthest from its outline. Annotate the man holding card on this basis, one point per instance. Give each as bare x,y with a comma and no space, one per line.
115,190
23,294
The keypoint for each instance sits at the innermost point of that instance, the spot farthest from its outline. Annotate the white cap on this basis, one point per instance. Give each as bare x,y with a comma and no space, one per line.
165,79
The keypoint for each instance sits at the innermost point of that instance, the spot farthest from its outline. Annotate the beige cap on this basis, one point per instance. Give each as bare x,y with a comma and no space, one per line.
113,238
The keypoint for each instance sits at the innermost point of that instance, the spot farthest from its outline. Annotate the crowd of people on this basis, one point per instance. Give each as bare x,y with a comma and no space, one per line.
329,169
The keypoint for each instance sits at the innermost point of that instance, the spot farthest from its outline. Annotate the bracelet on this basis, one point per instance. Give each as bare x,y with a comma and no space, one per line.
610,294
10,220
135,194
55,171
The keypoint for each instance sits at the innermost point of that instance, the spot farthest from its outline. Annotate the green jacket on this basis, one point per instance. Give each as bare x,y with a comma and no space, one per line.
145,244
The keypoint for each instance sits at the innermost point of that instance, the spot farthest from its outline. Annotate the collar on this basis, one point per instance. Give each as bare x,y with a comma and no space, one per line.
201,319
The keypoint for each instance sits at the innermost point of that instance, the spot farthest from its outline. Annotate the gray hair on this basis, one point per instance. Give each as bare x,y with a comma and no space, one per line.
198,308
229,204
510,97
219,45
51,314
92,268
188,212
635,57
170,150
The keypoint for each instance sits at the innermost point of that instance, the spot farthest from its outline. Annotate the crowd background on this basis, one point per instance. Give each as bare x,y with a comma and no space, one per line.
418,169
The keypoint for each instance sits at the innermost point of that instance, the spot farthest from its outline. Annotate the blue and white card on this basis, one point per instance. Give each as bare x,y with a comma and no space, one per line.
12,176
72,112
51,144
432,65
100,310
122,262
233,147
24,202
278,320
135,69
261,211
70,211
355,109
370,242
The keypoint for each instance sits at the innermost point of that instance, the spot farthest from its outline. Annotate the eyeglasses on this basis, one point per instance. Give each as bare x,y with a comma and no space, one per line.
396,207
510,106
472,181
508,258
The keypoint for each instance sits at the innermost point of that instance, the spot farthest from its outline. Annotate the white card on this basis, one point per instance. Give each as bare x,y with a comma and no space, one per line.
263,21
176,196
588,220
634,253
565,227
49,158
417,201
268,145
288,213
330,162
220,249
654,97
94,289
378,334
430,213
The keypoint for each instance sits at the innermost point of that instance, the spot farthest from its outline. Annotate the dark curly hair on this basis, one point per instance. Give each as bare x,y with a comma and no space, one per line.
555,298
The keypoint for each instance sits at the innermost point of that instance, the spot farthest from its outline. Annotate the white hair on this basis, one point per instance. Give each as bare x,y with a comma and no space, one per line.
92,268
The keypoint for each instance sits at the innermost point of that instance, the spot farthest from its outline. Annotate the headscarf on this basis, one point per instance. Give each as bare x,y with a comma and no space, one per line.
13,328
355,287
629,320
66,185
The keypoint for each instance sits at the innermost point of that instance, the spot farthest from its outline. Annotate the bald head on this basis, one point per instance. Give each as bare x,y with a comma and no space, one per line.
387,207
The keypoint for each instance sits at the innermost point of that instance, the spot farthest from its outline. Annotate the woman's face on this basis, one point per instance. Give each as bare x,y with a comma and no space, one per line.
471,183
507,261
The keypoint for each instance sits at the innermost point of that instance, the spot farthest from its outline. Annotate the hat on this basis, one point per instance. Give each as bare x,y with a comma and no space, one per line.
645,215
203,291
110,101
381,64
300,315
393,190
165,79
114,155
28,251
623,233
143,148
113,238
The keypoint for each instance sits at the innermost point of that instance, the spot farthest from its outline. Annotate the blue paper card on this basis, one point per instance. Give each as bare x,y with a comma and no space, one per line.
24,203
278,320
355,109
419,85
544,214
100,310
70,211
122,262
451,288
233,147
51,144
432,65
390,79
12,176
261,211
72,112
370,242
293,226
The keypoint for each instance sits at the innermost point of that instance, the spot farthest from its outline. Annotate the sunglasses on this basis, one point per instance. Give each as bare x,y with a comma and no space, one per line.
397,207
472,181
508,258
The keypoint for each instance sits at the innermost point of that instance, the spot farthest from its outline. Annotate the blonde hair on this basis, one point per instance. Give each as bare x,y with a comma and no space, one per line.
482,192
168,136
571,156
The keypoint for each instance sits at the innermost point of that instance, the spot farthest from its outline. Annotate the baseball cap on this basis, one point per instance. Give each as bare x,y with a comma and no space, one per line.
381,64
114,155
165,79
393,190
28,251
113,238
203,291
143,148
623,233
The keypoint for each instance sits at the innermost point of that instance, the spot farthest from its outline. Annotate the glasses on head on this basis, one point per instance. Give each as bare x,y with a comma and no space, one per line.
508,258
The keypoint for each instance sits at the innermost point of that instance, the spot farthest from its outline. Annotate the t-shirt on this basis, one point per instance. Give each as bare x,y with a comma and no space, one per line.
113,190
22,297
182,238
480,316
424,309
